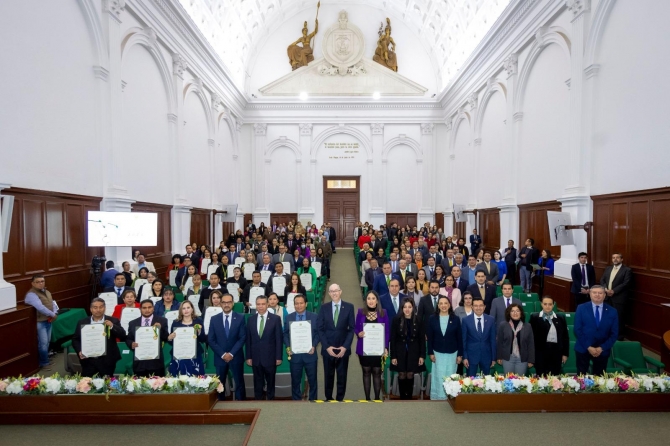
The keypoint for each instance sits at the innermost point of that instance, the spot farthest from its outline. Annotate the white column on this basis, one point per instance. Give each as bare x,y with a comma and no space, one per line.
176,123
448,223
377,176
181,228
312,176
576,199
7,290
513,122
509,225
261,211
306,206
448,200
427,209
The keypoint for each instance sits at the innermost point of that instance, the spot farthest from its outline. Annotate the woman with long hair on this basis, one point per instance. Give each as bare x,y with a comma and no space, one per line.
408,347
371,313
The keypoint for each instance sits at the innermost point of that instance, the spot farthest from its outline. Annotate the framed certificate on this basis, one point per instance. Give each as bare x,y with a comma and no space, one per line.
93,340
148,343
265,276
239,261
205,265
234,290
278,285
231,270
290,306
111,299
173,277
317,268
139,283
249,269
287,267
154,299
209,312
171,316
127,315
195,300
306,279
188,284
146,293
254,292
211,269
374,340
184,344
301,336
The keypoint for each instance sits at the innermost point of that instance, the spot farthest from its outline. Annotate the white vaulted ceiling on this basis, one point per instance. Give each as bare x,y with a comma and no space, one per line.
448,29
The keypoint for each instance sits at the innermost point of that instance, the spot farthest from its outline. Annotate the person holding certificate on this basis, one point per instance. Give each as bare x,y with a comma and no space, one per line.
264,348
306,268
214,285
255,283
273,307
408,347
301,341
294,286
187,351
145,335
237,279
176,265
191,272
118,288
273,285
372,322
94,341
445,345
168,303
151,278
129,301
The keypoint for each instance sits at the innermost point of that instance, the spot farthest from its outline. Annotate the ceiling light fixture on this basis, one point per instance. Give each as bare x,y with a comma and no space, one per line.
303,95
376,95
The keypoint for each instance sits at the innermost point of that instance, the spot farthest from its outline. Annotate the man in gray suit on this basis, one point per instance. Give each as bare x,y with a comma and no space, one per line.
430,268
411,266
283,256
490,269
500,304
404,271
617,280
264,250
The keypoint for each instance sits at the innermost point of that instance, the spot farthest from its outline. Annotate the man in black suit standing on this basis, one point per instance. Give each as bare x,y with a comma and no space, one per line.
101,365
264,348
371,273
459,282
509,255
148,367
191,254
428,303
336,332
118,288
481,289
529,256
333,236
583,277
617,280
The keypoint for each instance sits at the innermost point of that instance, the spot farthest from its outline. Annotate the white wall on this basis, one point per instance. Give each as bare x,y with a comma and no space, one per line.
464,173
402,180
492,154
196,170
284,180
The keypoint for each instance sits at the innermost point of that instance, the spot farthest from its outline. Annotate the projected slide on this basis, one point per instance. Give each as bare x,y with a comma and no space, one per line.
122,228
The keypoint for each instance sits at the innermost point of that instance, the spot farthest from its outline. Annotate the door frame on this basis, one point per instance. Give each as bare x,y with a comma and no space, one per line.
356,191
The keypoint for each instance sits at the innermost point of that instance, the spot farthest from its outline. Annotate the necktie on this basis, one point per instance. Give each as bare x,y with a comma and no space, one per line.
337,313
479,325
301,317
118,292
597,315
388,280
434,301
488,267
226,326
260,330
507,302
451,262
146,322
481,290
395,304
281,258
583,276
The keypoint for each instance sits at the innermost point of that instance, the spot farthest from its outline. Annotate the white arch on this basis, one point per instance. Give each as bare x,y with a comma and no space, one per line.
402,140
147,38
94,26
491,89
223,116
543,37
364,140
600,18
455,127
195,87
283,142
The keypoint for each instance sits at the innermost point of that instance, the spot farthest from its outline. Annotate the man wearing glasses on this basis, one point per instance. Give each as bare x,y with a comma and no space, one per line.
336,332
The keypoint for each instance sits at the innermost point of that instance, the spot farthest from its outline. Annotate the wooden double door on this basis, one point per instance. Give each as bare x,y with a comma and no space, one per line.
341,206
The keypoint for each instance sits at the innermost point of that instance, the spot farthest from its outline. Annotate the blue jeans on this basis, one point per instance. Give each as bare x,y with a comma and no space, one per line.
514,365
524,277
43,340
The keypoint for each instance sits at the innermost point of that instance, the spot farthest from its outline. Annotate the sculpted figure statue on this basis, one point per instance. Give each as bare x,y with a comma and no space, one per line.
385,52
300,56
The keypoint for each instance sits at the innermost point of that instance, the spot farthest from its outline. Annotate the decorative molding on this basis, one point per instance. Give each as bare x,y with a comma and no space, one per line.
260,129
567,83
114,8
172,118
518,116
238,125
540,33
101,73
346,106
427,129
449,125
402,140
592,70
306,129
377,128
511,65
216,101
211,142
578,7
452,156
472,101
151,34
123,85
282,141
478,141
179,65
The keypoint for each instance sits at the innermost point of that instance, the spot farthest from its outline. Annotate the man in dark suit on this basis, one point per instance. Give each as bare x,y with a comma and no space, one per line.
460,283
264,348
432,252
333,236
336,332
363,253
148,367
597,329
118,288
392,301
529,256
509,255
430,267
227,335
300,362
191,254
500,304
379,242
279,272
371,273
181,272
483,290
490,269
479,339
382,281
101,365
428,303
232,254
617,280
393,231
448,262
583,277
475,242
107,278
255,282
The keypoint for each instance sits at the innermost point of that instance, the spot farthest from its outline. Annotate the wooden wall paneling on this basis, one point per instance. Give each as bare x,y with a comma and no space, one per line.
282,218
559,290
459,229
533,224
161,254
635,224
402,219
18,355
489,228
228,228
248,217
201,226
439,220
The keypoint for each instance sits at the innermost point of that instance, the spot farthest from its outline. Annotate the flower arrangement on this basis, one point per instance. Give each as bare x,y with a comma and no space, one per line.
608,383
76,384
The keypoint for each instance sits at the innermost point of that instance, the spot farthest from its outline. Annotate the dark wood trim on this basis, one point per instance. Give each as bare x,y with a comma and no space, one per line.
19,358
49,194
539,205
489,228
338,177
629,194
345,237
161,254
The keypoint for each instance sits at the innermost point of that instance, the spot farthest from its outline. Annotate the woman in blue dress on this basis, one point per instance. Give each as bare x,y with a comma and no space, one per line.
187,318
502,267
443,333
